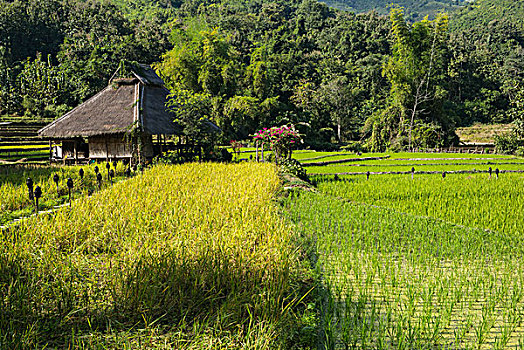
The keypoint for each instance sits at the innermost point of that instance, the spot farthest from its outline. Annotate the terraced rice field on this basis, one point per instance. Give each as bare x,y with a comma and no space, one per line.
406,162
201,256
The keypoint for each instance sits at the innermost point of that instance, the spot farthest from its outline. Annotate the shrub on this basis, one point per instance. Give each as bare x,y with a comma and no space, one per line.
506,144
354,146
293,167
323,146
281,140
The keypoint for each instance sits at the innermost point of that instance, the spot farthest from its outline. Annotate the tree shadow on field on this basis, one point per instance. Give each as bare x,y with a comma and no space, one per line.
175,286
18,304
55,308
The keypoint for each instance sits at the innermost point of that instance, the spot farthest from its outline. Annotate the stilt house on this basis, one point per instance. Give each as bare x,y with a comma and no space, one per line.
127,120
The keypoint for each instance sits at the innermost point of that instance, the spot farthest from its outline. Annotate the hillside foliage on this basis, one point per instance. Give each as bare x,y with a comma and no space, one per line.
416,9
382,81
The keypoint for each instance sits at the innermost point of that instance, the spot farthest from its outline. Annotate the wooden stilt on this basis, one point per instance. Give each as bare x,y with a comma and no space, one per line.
107,151
76,152
50,152
139,148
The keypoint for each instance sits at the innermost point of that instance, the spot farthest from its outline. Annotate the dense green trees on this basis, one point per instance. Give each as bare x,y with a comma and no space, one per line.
55,53
339,76
279,62
388,82
487,47
416,71
416,10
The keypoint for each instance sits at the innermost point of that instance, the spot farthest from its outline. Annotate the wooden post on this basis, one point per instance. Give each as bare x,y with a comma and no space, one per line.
139,148
50,151
76,152
262,151
107,150
256,148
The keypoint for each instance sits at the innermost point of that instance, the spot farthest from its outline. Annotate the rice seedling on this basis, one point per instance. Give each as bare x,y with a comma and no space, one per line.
403,281
450,167
471,200
435,161
421,155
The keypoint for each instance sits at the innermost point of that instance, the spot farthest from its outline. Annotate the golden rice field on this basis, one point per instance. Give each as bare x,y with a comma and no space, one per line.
189,256
15,202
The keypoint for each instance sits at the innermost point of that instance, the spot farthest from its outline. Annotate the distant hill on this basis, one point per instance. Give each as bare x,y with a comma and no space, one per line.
415,9
487,45
483,14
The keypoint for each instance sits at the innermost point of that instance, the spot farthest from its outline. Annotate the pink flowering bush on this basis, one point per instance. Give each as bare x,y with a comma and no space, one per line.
281,140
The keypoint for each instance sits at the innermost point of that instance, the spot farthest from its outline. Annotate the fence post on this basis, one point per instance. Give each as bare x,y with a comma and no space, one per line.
99,180
37,194
56,179
29,183
50,151
69,187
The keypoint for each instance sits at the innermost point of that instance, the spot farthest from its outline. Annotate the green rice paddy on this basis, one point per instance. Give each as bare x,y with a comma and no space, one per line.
428,262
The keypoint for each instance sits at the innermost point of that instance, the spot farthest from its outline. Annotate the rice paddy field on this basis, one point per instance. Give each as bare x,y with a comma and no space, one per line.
220,256
14,193
27,152
194,256
420,167
418,262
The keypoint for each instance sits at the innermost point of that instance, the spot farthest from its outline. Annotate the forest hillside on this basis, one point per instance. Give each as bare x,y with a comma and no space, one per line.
415,9
377,79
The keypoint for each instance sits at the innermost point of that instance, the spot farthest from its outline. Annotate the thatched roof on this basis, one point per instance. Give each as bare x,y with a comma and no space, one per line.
120,107
146,75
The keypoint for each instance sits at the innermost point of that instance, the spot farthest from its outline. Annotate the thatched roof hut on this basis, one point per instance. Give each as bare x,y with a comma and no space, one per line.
113,119
122,106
